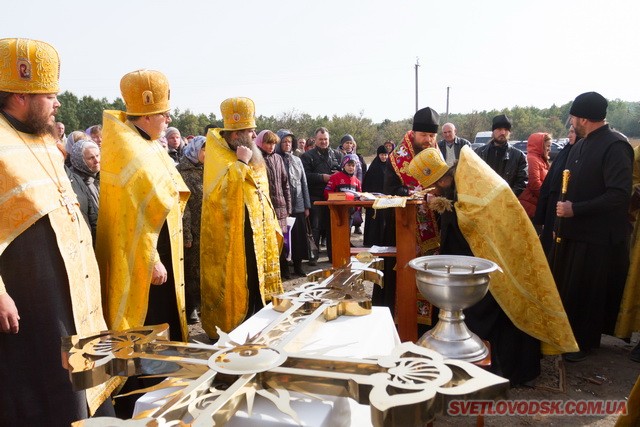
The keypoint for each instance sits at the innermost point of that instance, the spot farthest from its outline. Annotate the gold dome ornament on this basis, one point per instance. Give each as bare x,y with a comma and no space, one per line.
428,166
238,114
28,66
145,92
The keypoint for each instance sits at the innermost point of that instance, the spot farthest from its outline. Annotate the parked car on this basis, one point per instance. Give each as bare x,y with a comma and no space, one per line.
522,146
482,138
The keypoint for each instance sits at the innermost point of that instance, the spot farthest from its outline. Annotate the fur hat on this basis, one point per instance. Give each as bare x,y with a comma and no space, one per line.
501,122
590,105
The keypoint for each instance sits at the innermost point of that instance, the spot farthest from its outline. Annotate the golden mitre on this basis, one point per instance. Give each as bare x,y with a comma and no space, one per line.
428,167
28,66
238,114
145,92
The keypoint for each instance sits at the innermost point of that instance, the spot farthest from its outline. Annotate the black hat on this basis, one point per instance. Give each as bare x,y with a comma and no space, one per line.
590,105
501,122
381,150
426,120
346,138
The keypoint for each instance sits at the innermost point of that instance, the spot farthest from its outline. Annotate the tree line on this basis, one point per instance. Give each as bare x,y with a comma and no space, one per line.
81,113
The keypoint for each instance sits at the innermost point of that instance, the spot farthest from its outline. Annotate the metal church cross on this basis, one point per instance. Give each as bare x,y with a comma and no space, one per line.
404,388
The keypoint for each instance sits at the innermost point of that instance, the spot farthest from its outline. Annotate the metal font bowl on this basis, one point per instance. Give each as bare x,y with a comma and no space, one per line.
452,282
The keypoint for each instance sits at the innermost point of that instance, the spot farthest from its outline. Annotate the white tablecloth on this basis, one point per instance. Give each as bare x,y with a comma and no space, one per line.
347,336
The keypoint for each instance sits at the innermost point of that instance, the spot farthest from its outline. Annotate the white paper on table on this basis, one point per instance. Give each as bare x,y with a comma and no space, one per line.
358,337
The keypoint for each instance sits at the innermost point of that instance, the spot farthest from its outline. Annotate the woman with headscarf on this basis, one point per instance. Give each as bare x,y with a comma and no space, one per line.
84,175
300,201
72,138
191,167
374,183
279,191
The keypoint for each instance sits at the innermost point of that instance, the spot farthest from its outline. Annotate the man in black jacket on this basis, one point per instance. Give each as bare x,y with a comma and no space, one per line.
319,164
593,253
508,162
451,144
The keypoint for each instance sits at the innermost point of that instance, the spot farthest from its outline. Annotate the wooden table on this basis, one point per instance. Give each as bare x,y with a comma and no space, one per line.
406,250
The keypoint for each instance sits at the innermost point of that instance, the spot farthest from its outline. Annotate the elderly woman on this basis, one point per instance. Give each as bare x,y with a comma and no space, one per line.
191,167
300,201
84,175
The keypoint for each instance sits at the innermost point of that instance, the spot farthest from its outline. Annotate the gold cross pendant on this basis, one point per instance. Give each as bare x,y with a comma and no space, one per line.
67,203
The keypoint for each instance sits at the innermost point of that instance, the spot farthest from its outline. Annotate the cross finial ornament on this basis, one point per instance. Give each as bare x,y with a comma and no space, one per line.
404,388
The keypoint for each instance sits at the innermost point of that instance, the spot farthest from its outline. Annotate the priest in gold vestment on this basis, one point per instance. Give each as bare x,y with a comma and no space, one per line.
628,320
240,237
142,197
49,280
522,314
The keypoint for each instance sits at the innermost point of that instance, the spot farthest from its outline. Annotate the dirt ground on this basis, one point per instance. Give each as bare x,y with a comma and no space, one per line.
607,374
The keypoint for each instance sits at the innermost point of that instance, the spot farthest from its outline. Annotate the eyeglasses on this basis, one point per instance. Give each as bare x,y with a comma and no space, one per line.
166,114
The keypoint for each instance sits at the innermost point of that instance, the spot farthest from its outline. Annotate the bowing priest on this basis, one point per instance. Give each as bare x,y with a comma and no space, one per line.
522,314
142,196
240,238
49,280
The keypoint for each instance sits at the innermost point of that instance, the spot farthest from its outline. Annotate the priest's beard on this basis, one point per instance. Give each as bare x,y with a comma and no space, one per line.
40,122
247,141
447,187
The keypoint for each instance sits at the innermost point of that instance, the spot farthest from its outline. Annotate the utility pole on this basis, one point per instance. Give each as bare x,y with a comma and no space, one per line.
416,66
447,114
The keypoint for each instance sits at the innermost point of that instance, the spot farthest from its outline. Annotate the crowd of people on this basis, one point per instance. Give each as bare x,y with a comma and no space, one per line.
128,223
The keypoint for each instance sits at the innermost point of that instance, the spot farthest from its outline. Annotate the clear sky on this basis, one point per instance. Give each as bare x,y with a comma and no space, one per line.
330,57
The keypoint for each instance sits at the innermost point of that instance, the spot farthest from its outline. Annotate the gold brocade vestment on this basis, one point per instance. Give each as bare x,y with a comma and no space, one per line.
229,187
27,194
497,228
629,315
140,189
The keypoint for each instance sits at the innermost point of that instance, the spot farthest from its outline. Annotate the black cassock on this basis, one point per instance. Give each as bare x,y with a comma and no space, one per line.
35,389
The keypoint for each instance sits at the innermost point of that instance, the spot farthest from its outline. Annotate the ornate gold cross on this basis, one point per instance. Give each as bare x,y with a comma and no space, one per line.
404,388
66,202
